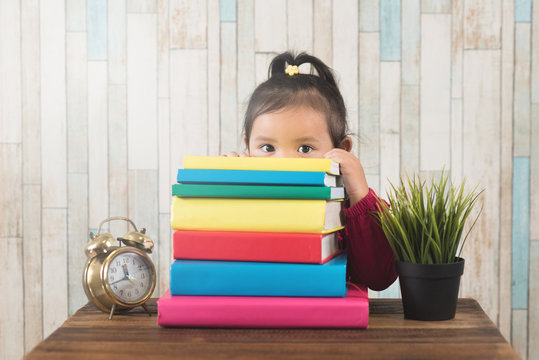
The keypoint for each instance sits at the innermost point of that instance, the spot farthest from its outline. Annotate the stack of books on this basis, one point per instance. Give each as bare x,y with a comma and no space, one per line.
256,245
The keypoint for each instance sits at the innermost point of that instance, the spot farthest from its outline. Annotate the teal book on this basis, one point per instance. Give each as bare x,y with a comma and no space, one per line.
238,278
257,177
258,191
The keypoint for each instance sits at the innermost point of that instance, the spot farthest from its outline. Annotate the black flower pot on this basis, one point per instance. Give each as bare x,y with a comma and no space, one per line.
430,291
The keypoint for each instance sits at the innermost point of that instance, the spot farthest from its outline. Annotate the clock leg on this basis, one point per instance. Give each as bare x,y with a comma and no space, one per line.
145,308
112,311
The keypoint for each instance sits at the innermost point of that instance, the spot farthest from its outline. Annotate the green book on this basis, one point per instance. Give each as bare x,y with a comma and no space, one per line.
258,191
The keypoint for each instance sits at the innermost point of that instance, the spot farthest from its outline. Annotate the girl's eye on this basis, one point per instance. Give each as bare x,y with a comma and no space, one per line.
305,149
267,148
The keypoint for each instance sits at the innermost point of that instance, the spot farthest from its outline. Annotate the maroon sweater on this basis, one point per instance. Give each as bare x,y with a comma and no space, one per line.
370,258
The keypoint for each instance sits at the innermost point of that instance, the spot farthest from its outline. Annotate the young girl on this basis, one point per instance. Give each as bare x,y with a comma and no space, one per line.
303,115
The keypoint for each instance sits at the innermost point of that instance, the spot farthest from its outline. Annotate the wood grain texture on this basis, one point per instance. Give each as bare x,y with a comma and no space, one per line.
533,310
435,6
75,15
246,54
142,6
165,254
457,47
369,15
345,59
142,91
481,124
535,55
165,170
96,27
214,77
230,124
77,235
188,24
77,102
55,281
457,156
117,157
323,23
299,31
521,105
534,173
482,24
270,27
31,92
389,124
98,201
435,92
163,48
519,333
32,265
411,41
506,148
12,313
369,102
409,128
117,41
471,334
10,72
390,30
53,104
11,194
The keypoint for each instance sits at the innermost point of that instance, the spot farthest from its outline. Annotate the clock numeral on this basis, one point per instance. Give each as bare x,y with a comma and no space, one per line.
141,284
136,291
129,293
142,276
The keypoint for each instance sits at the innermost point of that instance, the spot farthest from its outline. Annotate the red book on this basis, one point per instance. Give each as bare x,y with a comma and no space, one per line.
256,246
351,311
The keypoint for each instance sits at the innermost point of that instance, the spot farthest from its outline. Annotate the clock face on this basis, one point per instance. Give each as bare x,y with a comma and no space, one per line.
130,276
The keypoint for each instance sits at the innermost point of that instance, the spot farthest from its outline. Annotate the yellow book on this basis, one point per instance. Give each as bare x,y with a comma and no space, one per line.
268,215
260,163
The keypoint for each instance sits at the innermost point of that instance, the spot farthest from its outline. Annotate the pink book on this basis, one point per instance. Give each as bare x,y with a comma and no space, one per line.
351,311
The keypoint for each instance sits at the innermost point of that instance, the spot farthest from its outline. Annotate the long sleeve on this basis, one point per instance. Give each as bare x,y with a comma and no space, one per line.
370,258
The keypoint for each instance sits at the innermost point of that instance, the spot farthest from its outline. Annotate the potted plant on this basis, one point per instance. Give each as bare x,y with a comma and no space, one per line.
424,225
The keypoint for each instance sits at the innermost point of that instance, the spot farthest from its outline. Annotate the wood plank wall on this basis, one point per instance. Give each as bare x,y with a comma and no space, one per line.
100,100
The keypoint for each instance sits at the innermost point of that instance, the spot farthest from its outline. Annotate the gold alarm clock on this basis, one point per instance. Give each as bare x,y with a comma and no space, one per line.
118,278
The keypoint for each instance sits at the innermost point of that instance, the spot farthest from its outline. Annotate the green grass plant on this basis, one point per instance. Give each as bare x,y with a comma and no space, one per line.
424,222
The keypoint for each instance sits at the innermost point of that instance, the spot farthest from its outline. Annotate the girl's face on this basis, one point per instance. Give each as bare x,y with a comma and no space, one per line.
291,132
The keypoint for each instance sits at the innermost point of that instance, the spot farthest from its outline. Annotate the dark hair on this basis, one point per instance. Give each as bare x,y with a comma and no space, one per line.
319,92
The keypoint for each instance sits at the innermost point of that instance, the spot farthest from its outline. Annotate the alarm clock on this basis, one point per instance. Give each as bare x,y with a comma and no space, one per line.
119,278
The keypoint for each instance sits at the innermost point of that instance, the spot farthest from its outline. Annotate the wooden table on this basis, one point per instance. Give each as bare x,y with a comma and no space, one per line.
90,335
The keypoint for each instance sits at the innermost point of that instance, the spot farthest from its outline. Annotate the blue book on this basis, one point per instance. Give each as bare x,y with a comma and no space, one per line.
259,177
238,278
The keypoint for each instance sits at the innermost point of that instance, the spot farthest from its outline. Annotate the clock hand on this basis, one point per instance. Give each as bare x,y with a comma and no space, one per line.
117,281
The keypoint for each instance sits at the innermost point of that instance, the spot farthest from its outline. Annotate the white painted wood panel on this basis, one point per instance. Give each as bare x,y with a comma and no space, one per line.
457,156
12,312
322,34
117,157
33,311
506,176
230,124
77,236
117,41
521,105
519,334
435,91
142,6
55,270
165,170
436,6
409,128
188,106
215,76
53,104
300,31
142,91
534,174
533,311
188,24
11,194
31,92
346,57
10,71
369,102
270,26
143,209
77,102
76,15
163,48
246,54
482,24
534,53
390,96
165,253
411,41
457,47
481,126
369,15
98,169
262,62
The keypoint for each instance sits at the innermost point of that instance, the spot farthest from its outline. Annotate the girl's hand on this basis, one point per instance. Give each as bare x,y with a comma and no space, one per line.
352,174
235,154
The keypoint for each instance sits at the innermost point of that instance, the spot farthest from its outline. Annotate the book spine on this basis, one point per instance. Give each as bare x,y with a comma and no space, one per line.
215,176
249,246
252,191
189,277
